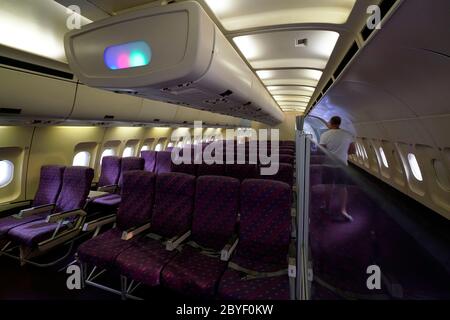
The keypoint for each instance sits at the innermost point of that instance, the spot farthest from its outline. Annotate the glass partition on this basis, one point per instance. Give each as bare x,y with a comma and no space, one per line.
369,241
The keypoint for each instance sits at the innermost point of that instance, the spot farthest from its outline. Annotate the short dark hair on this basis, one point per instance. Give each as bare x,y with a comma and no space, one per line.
335,121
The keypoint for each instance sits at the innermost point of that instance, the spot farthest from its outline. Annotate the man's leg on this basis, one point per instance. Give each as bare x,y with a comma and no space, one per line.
344,199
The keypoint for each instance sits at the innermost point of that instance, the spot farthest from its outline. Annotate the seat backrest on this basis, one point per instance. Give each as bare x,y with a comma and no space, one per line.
284,158
284,174
265,221
149,157
241,171
75,188
216,210
210,169
163,162
110,171
318,159
138,193
128,164
50,183
174,204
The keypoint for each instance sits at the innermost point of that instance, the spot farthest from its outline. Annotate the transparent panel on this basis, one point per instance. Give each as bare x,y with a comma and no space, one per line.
82,158
6,172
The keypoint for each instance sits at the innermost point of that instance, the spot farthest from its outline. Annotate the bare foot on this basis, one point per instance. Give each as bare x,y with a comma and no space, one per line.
347,216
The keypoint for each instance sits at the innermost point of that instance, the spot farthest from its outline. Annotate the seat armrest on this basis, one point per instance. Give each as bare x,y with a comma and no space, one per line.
34,210
65,214
227,251
174,242
110,188
92,225
292,260
94,194
133,232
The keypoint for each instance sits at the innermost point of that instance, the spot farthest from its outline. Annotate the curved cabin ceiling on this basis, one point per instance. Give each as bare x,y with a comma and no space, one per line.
293,46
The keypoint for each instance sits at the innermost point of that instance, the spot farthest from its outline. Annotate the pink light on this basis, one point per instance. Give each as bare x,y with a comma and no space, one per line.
123,61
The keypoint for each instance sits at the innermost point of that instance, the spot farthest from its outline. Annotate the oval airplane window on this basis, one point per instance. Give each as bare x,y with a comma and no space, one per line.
6,172
442,174
364,152
415,167
128,152
82,159
145,148
106,153
383,158
158,147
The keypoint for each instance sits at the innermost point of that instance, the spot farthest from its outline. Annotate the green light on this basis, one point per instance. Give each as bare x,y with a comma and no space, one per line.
138,59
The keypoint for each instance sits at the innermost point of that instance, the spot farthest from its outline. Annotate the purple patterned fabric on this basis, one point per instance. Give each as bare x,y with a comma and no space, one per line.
135,210
216,210
174,202
137,193
30,234
233,287
75,188
193,273
265,222
287,151
284,158
287,143
50,183
149,157
110,171
241,171
211,170
284,174
111,201
264,238
144,261
185,168
103,250
8,223
163,162
128,164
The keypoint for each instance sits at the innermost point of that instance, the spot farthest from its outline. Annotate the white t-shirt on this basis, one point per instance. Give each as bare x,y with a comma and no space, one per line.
337,141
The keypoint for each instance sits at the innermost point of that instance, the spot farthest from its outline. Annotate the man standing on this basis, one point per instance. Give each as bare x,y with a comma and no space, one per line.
340,143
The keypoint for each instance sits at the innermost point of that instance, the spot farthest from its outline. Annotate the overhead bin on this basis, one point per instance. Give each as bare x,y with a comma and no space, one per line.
173,53
30,96
157,111
101,105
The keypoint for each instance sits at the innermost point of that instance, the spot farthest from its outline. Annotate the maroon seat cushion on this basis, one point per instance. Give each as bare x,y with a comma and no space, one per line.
193,273
144,260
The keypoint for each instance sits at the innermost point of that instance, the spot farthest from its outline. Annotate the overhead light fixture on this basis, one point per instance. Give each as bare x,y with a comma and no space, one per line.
246,46
291,98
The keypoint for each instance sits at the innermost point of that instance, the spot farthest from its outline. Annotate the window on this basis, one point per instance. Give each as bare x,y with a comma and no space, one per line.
364,152
145,148
414,167
383,158
128,152
442,175
82,158
106,153
158,147
6,173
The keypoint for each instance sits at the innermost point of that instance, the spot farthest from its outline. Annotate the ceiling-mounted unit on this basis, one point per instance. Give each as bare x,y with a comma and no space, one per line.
172,53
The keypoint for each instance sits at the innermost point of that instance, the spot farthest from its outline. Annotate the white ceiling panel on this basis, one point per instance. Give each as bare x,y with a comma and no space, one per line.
285,98
291,90
288,49
301,77
244,14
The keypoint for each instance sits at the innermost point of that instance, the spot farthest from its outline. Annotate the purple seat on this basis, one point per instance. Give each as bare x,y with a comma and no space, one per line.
264,238
284,174
112,201
134,211
287,151
50,182
287,143
215,216
172,215
210,170
149,157
163,162
74,191
110,171
285,158
241,171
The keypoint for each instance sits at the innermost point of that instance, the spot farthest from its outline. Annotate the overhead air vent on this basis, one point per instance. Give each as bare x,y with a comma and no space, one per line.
385,7
347,58
35,68
301,43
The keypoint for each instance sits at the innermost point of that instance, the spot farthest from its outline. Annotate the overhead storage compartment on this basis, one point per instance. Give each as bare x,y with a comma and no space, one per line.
29,96
172,53
101,105
157,111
